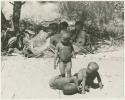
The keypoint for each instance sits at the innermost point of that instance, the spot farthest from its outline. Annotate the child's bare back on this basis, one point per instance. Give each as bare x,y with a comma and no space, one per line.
86,77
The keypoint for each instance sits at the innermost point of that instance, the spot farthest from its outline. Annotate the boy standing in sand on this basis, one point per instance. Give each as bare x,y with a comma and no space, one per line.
64,52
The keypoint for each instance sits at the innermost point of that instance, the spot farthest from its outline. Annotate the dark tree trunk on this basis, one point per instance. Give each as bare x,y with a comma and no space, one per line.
16,15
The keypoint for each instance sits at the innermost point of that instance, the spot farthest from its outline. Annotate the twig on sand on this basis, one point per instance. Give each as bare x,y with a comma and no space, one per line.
2,67
13,96
59,94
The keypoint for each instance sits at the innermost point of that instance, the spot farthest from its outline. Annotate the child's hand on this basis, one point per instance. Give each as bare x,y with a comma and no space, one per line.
79,88
83,92
100,85
54,66
73,55
87,88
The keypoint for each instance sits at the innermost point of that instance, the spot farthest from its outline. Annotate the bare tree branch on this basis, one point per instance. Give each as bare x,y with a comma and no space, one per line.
11,3
23,2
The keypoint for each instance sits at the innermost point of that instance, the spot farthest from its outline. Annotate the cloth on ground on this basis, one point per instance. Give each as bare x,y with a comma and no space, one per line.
39,43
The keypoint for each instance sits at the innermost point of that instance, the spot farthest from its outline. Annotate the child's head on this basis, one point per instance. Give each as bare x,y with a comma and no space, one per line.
53,27
63,25
22,26
65,38
78,25
92,67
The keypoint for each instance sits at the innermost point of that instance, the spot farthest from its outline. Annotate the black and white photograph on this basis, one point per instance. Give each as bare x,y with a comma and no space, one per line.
62,49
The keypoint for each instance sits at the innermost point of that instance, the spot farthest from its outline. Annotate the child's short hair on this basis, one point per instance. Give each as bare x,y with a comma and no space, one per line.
64,24
93,66
79,23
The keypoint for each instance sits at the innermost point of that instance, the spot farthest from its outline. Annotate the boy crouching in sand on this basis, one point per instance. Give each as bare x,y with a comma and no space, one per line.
86,77
64,52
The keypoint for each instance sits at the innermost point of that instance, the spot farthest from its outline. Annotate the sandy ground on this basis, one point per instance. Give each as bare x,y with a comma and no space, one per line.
28,78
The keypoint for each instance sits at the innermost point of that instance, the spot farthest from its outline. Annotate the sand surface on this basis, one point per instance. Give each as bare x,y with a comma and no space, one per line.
27,78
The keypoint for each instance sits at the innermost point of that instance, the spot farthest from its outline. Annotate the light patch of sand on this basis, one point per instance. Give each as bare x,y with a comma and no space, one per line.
28,78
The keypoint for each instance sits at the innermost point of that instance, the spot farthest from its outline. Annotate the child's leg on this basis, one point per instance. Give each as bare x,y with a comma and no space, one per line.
68,69
62,68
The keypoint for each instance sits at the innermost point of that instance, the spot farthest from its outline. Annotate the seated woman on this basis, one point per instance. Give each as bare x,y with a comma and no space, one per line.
83,43
81,39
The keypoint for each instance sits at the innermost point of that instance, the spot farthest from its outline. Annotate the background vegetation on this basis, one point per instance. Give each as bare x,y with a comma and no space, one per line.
102,20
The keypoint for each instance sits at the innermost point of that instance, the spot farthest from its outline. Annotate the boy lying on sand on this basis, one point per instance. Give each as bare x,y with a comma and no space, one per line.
80,82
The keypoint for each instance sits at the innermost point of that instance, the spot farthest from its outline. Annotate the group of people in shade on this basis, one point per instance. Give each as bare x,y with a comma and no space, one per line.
25,40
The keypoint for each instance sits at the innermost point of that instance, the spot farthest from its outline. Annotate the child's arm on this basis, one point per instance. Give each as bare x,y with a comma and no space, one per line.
75,80
12,25
83,85
73,52
56,56
82,77
99,81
